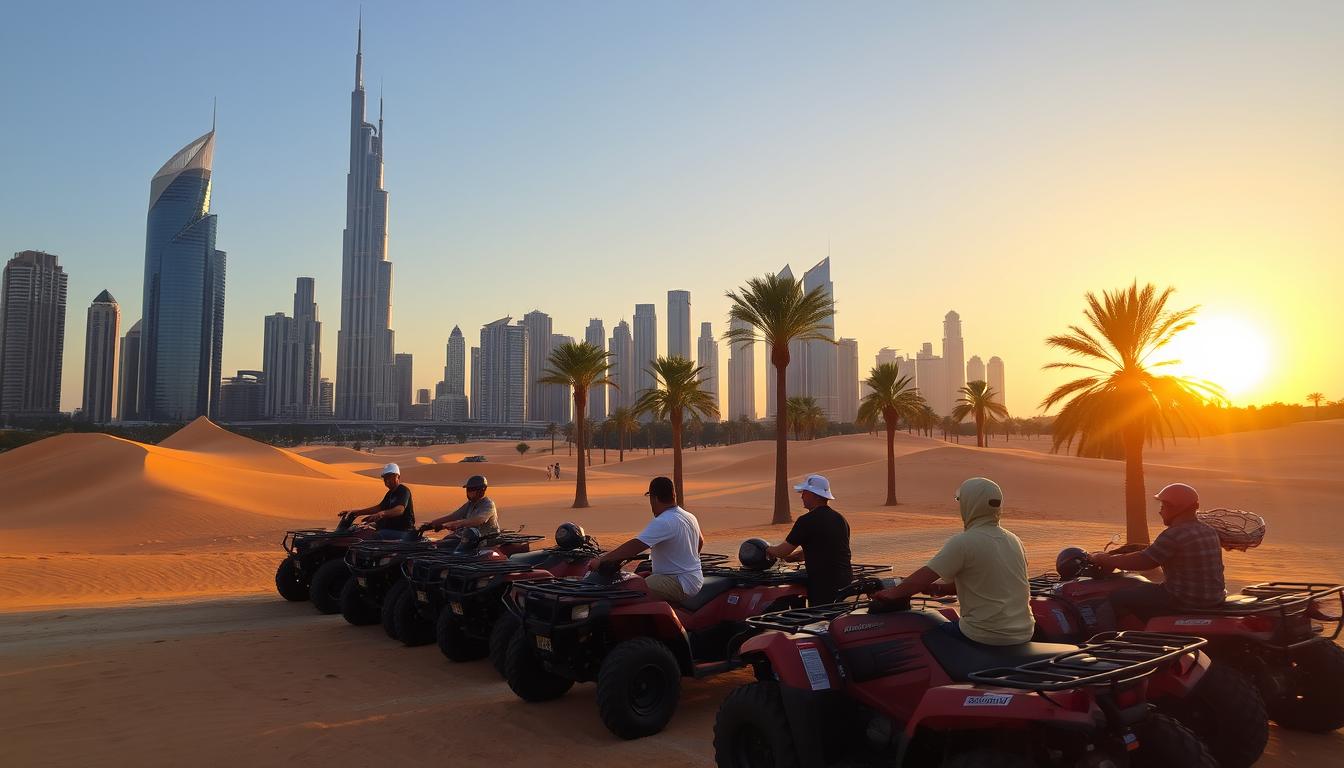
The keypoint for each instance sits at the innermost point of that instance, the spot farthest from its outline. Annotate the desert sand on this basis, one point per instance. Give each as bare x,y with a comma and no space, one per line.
139,623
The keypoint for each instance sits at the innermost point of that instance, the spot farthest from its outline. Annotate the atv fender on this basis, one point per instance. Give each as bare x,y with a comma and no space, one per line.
1213,626
791,659
969,707
1179,679
653,619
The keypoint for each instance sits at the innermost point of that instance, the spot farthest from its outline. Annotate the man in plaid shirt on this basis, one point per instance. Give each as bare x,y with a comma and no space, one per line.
1189,552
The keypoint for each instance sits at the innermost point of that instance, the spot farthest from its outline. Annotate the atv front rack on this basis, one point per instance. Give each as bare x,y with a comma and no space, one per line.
430,567
1108,658
376,555
1044,584
466,579
292,538
578,589
781,573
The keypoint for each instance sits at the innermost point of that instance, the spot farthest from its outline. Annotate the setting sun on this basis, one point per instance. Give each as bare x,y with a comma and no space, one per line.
1227,350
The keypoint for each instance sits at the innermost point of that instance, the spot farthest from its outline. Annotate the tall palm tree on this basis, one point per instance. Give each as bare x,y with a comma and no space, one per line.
568,432
892,397
696,428
676,392
977,400
551,431
625,423
589,429
579,367
775,309
1120,401
797,411
1315,399
746,429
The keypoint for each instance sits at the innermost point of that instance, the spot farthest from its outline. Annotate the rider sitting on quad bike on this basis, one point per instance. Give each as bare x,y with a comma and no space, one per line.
674,542
394,516
984,566
1188,551
823,535
478,512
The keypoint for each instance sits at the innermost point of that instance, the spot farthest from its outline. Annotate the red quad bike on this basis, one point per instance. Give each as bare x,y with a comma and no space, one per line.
1278,634
610,629
880,683
375,567
314,566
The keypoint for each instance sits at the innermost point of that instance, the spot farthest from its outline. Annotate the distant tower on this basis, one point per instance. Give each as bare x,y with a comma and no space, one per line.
279,368
622,367
707,357
741,376
996,381
954,357
100,358
821,367
975,369
848,381
451,403
326,399
475,396
128,388
932,376
596,335
404,365
646,348
504,373
540,397
679,324
886,355
32,334
308,338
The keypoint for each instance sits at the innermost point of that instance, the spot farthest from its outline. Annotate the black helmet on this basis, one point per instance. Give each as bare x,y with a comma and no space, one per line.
475,481
570,536
1070,562
468,539
753,555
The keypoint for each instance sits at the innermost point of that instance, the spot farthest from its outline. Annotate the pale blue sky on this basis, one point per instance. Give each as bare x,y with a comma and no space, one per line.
998,159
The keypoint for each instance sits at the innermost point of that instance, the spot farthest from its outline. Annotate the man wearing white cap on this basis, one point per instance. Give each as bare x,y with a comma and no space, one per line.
823,535
394,516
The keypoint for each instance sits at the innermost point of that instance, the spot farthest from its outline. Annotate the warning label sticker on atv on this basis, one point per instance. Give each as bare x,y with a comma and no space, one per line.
816,670
1193,622
989,700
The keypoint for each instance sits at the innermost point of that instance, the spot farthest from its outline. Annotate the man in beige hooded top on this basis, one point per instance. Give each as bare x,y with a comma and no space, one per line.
984,566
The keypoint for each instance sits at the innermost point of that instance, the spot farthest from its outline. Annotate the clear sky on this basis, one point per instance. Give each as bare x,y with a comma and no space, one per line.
999,160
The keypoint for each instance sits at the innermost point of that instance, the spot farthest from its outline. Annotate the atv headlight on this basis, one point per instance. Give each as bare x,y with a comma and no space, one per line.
483,583
580,612
385,560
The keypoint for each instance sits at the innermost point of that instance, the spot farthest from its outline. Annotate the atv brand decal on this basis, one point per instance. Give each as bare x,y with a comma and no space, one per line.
733,599
1193,622
1062,620
861,627
989,700
756,598
816,670
1089,617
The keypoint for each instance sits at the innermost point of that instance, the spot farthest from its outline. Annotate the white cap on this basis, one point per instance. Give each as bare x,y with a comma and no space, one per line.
816,484
391,469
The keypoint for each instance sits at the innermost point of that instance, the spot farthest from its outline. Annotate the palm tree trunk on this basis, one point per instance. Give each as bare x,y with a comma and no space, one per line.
581,484
676,457
604,445
1136,501
979,430
620,444
781,513
891,462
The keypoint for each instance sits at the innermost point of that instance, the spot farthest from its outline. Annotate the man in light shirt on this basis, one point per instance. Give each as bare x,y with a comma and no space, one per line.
674,542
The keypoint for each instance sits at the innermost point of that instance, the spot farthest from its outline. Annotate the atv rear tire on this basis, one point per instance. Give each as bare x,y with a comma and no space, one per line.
1317,702
453,642
288,583
387,611
637,688
412,628
752,731
1226,712
526,675
500,634
325,589
986,758
355,607
1163,742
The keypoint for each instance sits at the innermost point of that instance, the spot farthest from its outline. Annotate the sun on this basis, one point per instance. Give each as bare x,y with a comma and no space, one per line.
1228,350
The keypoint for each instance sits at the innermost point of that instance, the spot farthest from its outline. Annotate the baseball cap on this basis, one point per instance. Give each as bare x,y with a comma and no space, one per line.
816,484
661,488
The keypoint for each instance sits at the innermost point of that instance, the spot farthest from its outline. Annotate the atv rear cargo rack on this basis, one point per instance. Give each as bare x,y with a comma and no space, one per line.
781,573
579,589
1290,600
430,567
1107,658
465,578
1044,584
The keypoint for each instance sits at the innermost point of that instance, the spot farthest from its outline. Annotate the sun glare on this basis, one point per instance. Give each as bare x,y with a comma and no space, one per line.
1227,350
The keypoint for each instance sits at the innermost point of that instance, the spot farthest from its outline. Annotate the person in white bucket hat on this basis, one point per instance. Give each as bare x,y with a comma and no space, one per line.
823,535
394,516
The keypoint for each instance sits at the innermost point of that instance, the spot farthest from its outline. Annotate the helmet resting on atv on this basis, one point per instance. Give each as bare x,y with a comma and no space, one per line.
753,555
570,536
1070,562
468,539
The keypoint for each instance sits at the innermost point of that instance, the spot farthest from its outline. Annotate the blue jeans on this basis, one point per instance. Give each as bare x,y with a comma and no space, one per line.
953,629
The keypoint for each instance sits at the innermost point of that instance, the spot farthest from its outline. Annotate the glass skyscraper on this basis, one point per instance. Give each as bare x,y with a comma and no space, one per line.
182,331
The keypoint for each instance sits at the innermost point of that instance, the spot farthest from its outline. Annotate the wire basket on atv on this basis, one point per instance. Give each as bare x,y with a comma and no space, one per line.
1108,658
1237,529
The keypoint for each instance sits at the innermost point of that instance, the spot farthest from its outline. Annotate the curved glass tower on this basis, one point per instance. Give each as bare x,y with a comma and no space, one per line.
182,331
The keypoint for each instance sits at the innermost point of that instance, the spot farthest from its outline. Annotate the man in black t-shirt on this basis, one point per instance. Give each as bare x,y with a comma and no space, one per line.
394,516
823,535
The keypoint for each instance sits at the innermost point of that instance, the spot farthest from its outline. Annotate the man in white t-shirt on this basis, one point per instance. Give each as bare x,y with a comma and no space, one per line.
674,540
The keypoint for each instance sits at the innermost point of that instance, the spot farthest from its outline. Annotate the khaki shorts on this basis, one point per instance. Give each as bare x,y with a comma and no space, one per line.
666,587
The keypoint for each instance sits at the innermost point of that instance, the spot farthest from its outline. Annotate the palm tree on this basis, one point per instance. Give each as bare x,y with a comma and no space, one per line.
795,411
891,396
625,423
589,428
1120,402
977,400
579,367
568,432
676,391
551,431
775,309
696,428
746,429
1315,399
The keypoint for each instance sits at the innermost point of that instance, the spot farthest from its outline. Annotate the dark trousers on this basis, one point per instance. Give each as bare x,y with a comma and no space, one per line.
1143,602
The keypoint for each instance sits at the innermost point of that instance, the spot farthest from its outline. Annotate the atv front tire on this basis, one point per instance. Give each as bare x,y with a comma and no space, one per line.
412,628
752,730
453,642
638,686
526,675
1317,702
328,580
1226,712
288,583
387,611
1163,743
500,634
355,607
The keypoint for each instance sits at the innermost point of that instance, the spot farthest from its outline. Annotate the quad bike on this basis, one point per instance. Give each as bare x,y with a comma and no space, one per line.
314,566
869,682
375,568
1277,635
610,629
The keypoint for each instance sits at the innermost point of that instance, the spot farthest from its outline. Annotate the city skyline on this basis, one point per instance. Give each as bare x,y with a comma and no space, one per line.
1095,234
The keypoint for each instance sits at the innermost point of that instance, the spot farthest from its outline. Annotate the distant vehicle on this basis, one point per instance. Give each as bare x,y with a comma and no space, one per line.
471,459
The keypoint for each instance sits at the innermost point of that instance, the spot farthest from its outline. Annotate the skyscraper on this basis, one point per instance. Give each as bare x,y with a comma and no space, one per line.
821,366
995,381
596,335
540,397
128,391
741,377
326,398
561,398
451,404
308,338
475,383
622,367
931,373
646,348
954,357
365,376
404,366
182,330
793,379
100,358
707,357
32,334
679,324
847,381
503,373
279,364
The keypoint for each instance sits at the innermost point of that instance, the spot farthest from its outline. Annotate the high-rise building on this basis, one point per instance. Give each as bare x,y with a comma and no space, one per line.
279,364
561,406
679,324
182,330
821,369
646,348
622,367
954,357
741,376
404,365
504,373
308,338
847,381
975,369
242,397
450,403
540,397
707,357
422,396
326,398
793,379
128,390
475,382
596,335
366,386
886,355
931,375
100,358
32,334
995,381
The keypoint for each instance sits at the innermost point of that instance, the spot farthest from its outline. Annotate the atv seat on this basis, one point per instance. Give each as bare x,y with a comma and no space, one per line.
1238,601
714,586
530,558
959,658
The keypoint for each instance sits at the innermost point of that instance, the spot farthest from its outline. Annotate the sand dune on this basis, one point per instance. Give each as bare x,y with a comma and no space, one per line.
456,474
223,448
